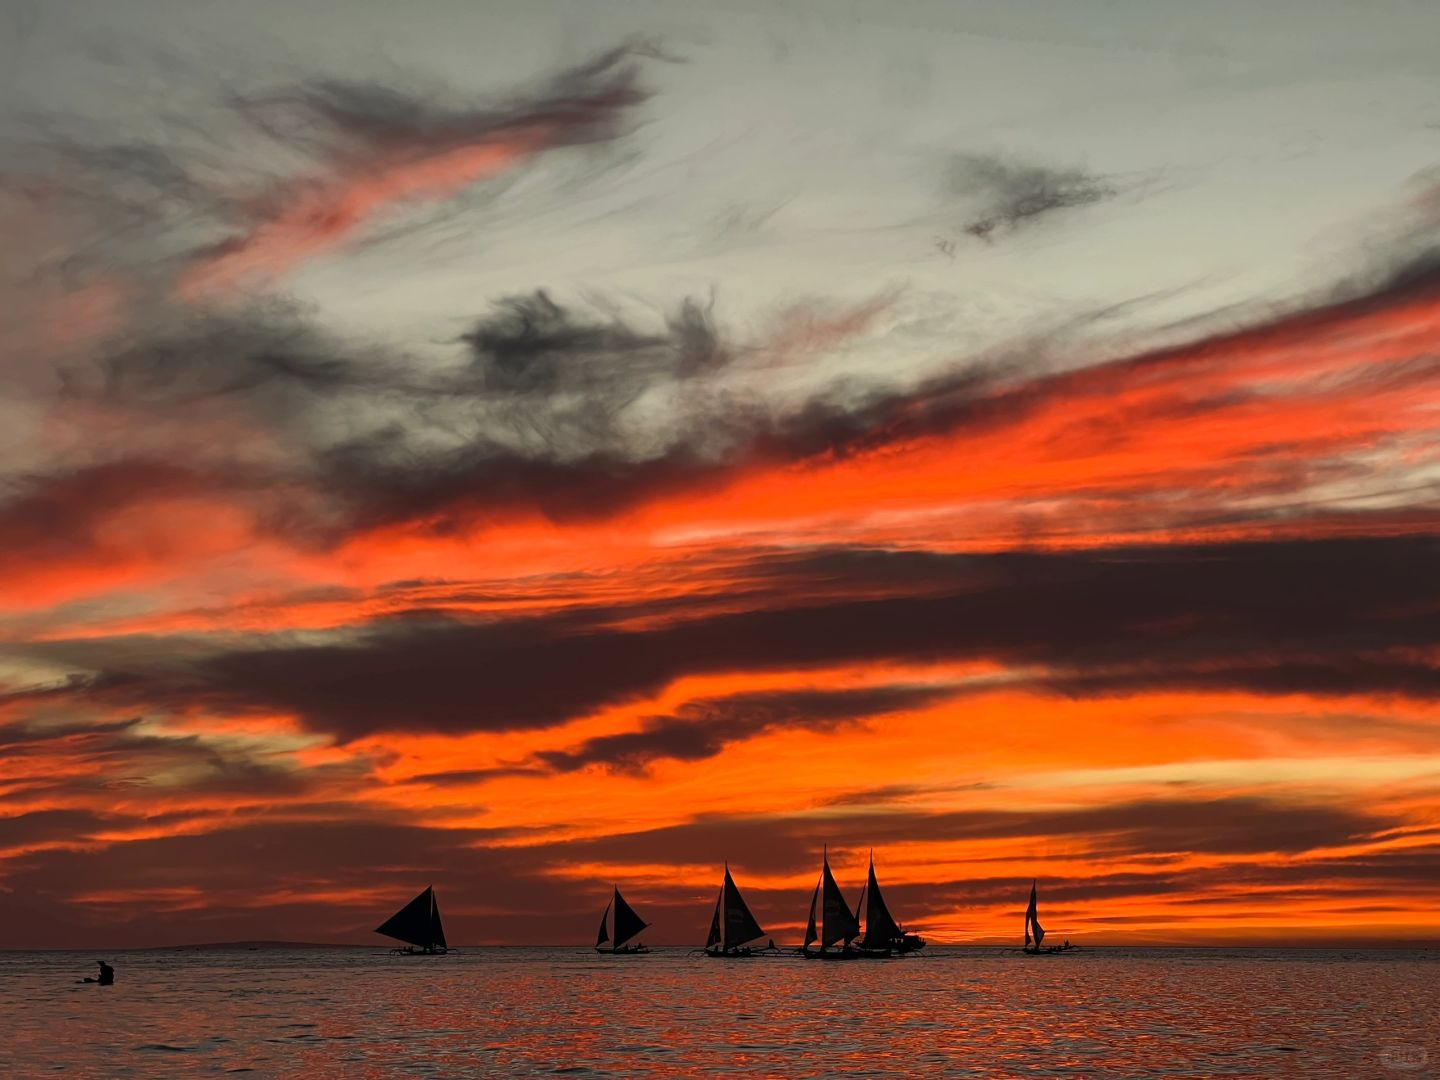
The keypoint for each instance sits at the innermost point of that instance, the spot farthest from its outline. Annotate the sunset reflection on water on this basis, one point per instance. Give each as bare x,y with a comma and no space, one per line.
979,1012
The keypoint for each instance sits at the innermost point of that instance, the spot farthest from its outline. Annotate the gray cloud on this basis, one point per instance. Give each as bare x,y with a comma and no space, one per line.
279,166
580,412
1012,193
352,119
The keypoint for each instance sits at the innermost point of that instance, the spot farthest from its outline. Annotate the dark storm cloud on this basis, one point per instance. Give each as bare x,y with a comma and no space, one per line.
548,400
364,849
55,514
539,412
381,147
79,760
464,777
582,413
1332,616
18,738
241,880
575,412
1380,676
533,346
889,793
1013,193
47,825
702,729
1226,826
552,376
260,874
358,120
276,175
1345,881
268,358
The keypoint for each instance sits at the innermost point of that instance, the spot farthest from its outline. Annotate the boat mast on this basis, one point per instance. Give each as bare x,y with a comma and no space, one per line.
825,906
725,910
712,939
810,932
837,923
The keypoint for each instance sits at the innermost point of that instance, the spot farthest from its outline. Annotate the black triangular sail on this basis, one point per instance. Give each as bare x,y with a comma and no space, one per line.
603,936
837,920
417,923
740,925
881,929
437,931
1032,921
627,923
713,938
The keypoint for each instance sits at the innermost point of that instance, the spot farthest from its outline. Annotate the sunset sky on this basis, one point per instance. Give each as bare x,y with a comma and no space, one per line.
527,447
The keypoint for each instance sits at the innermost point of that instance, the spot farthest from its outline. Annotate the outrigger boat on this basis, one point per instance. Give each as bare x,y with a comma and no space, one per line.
627,925
732,927
883,935
1035,933
418,925
838,924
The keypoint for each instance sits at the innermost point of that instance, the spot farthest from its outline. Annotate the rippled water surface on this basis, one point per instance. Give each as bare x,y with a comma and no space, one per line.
957,1012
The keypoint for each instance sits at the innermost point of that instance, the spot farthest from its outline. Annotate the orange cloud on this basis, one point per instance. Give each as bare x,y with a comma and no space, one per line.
325,211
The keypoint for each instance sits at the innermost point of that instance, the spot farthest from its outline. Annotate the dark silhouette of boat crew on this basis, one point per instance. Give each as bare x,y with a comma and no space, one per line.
107,975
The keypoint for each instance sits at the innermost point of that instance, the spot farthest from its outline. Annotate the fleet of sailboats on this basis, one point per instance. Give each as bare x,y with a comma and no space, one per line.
627,924
833,928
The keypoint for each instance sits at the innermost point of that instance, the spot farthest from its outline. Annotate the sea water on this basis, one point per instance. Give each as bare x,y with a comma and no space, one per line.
360,1013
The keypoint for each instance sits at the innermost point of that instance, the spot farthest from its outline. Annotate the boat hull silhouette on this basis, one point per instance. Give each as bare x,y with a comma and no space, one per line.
1049,950
831,954
871,953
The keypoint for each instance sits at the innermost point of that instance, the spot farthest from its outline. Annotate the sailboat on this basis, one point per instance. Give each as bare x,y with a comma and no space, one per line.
418,925
732,927
838,924
1035,933
627,925
883,935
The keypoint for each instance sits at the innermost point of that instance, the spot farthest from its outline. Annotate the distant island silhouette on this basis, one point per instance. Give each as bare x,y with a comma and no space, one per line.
250,945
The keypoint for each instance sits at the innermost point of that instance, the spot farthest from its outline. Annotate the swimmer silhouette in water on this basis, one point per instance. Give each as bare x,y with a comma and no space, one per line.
107,975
